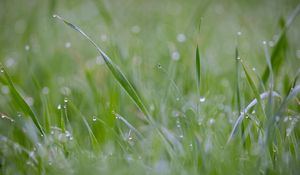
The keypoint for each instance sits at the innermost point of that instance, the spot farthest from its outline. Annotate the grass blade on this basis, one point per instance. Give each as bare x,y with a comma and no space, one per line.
116,71
276,60
19,100
198,68
242,115
129,125
250,78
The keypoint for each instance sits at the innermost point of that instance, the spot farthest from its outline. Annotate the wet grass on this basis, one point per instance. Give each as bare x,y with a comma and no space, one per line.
159,96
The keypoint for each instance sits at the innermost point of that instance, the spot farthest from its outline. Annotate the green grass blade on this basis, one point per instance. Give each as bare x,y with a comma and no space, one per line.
115,70
270,99
237,79
129,125
198,69
276,59
242,115
94,141
19,100
250,78
124,82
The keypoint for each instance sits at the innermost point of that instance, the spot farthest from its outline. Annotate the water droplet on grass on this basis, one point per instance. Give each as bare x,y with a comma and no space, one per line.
211,121
5,89
10,62
59,107
239,33
94,118
27,47
67,45
66,100
202,99
29,101
181,38
45,90
175,56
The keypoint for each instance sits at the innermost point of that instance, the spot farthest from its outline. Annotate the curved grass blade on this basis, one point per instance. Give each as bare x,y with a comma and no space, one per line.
242,115
270,127
124,82
19,100
116,71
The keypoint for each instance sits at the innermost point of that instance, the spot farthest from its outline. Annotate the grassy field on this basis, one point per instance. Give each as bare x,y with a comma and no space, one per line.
149,87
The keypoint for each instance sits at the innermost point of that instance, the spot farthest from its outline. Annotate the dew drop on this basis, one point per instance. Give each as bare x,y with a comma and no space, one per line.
175,56
202,99
45,90
5,89
29,101
94,118
2,70
67,45
66,100
254,69
59,107
239,33
181,136
27,47
181,38
211,121
10,62
264,42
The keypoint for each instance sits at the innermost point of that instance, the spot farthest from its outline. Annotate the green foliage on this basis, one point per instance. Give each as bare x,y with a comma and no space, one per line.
134,107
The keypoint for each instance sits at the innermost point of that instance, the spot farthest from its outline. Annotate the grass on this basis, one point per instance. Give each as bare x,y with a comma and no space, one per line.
158,96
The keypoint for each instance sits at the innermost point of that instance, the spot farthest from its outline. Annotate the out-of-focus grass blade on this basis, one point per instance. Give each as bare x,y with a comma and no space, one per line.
250,78
270,127
237,79
116,71
280,46
198,68
291,95
270,98
19,101
129,125
242,115
94,141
